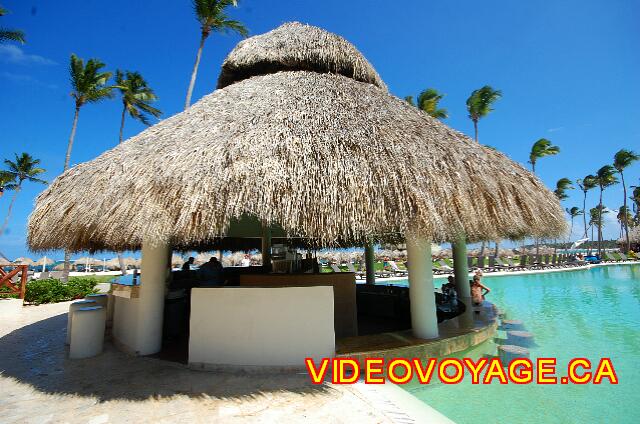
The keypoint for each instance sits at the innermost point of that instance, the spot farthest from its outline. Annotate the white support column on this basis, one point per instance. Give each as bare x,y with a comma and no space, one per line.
463,288
424,320
150,312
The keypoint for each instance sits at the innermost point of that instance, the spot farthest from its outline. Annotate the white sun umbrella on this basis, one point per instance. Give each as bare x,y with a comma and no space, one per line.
44,261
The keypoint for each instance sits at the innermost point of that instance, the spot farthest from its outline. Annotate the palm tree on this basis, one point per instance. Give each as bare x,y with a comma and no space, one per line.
574,212
7,182
89,85
409,99
622,159
587,183
595,219
10,34
212,17
137,97
428,102
635,198
624,216
562,186
479,104
24,168
540,149
606,177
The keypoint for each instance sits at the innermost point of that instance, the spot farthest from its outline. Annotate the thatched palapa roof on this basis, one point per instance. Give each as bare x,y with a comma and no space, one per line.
313,143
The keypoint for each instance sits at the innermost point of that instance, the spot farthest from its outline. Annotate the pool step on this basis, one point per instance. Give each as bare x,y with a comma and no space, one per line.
508,353
511,324
502,314
520,338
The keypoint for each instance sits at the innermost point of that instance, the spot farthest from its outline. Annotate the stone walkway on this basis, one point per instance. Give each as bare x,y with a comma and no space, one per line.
38,384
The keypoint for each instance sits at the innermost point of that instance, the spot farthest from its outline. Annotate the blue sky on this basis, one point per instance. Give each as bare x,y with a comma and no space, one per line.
568,70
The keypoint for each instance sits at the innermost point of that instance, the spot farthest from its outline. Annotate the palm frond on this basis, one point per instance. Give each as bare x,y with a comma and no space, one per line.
11,35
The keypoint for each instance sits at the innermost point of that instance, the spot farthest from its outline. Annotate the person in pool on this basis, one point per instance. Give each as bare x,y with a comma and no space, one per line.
478,290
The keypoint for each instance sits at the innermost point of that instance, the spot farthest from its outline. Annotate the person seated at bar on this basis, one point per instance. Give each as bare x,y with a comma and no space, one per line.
448,289
477,288
187,265
210,274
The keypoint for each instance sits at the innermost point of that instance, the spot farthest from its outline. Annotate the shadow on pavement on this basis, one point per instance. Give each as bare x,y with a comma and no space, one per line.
36,355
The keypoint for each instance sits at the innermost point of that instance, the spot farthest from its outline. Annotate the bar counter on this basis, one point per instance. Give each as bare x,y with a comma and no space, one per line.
344,293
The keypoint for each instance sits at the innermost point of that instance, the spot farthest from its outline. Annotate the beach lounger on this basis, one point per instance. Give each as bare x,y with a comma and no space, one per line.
481,263
335,268
359,274
470,264
443,266
43,275
610,258
396,269
512,264
503,265
623,256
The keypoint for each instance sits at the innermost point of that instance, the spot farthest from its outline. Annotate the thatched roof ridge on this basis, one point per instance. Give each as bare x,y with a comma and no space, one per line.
326,157
296,47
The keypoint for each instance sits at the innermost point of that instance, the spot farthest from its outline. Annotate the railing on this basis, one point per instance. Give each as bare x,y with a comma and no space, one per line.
6,280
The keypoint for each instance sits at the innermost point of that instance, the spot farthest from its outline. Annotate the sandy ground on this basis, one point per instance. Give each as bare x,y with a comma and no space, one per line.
38,384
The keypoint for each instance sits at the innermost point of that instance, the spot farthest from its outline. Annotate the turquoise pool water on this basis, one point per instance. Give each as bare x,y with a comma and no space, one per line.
589,313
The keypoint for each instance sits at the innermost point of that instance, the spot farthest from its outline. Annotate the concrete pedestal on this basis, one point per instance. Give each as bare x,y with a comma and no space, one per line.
87,332
74,307
100,298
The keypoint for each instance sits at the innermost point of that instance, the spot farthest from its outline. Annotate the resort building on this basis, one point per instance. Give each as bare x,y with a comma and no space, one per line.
300,147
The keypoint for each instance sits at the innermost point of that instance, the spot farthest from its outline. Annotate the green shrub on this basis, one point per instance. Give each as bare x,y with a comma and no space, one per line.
53,291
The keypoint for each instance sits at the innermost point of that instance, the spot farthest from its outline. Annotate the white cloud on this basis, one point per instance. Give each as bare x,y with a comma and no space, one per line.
25,79
555,129
14,54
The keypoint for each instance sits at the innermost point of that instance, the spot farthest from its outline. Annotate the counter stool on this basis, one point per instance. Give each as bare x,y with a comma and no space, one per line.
87,332
74,307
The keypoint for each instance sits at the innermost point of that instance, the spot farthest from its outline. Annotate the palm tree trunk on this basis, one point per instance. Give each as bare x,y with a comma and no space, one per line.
497,251
123,268
533,167
13,200
584,215
67,158
600,225
475,129
627,245
482,247
124,109
67,256
570,233
194,73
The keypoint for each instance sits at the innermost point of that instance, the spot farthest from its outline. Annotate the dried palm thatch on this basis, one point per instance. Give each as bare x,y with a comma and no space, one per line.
329,158
634,236
296,47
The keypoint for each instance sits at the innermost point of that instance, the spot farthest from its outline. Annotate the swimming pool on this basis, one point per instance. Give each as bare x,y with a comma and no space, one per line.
588,313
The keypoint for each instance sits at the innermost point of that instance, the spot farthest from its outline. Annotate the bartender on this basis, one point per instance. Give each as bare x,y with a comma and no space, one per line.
211,274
